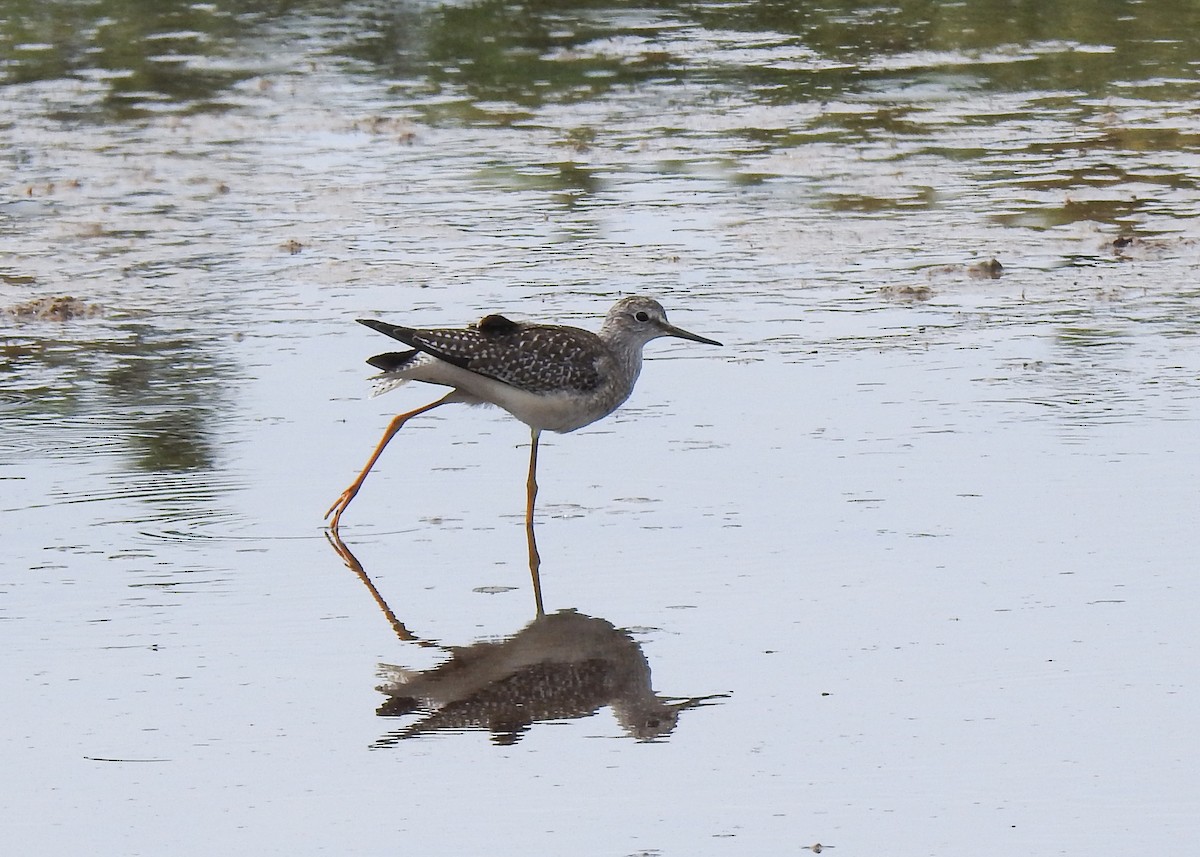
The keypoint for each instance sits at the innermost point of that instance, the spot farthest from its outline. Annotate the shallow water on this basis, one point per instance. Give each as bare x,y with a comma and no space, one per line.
918,538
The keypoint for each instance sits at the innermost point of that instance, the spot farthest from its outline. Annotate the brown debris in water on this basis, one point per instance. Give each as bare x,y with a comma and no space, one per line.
60,308
989,270
1137,248
907,293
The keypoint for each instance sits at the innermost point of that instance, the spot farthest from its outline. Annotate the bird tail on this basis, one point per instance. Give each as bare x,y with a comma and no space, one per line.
392,366
393,361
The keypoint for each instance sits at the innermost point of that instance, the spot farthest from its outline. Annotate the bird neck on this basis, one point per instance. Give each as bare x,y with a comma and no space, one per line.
630,360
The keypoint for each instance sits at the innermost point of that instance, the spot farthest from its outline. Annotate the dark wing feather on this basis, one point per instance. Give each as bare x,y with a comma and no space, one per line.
532,357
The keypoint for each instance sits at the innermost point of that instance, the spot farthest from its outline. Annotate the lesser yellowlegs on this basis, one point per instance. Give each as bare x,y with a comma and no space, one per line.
550,377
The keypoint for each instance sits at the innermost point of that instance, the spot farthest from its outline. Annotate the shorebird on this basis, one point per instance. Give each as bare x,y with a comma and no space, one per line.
550,377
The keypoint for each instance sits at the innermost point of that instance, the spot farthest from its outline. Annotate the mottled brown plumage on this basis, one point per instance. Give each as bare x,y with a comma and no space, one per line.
537,358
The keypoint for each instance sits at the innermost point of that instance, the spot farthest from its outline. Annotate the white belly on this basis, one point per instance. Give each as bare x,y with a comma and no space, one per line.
557,412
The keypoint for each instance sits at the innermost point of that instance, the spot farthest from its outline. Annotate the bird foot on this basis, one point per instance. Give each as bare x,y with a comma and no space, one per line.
339,506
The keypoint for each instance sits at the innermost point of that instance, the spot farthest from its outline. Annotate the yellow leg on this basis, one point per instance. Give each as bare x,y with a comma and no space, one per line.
535,561
394,426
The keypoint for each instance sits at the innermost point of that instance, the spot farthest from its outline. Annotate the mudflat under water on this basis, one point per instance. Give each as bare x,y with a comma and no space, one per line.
908,566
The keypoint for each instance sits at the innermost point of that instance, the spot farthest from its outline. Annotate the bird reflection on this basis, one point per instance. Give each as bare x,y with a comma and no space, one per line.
561,666
558,667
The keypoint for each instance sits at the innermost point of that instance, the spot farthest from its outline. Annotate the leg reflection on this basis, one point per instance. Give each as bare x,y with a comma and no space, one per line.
535,559
354,565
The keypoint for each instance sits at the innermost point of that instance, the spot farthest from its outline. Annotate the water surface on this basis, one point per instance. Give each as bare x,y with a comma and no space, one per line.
918,536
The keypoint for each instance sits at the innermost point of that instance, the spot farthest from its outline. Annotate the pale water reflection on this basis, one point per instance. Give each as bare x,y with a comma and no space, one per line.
930,529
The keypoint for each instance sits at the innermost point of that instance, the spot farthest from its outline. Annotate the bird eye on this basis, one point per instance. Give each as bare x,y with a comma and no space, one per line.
641,316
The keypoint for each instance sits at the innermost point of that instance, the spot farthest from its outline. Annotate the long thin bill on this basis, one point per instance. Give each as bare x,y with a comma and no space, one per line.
672,330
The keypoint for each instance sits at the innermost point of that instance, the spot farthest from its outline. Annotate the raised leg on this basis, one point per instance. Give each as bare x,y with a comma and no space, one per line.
535,561
394,426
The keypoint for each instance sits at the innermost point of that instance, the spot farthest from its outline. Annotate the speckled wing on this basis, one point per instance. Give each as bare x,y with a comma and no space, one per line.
531,357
